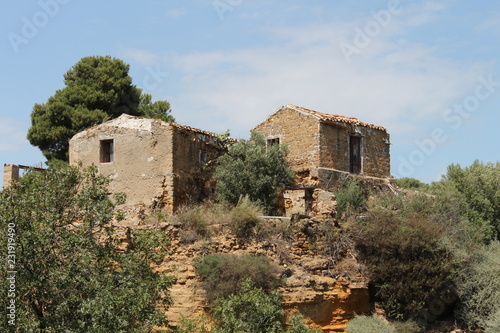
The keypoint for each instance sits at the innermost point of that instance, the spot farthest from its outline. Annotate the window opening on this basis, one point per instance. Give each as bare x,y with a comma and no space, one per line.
107,151
203,157
355,154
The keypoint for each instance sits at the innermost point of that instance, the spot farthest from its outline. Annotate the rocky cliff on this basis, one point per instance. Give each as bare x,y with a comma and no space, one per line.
326,291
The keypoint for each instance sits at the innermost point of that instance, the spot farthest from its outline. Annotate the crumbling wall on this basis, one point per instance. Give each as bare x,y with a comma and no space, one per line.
142,161
194,160
10,174
299,131
335,149
376,154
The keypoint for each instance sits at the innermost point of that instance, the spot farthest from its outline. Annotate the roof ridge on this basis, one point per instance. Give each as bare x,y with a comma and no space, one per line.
333,118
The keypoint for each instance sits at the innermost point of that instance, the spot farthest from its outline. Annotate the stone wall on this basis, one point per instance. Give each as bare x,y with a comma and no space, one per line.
299,131
376,153
10,174
335,149
142,159
194,157
156,164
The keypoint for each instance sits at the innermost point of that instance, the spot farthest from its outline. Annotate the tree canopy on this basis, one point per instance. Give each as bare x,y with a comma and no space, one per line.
65,272
98,88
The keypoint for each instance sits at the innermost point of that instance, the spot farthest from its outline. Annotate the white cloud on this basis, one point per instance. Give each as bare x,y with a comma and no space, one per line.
396,84
143,57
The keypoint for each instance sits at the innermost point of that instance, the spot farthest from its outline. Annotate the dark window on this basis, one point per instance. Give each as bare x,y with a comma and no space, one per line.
273,141
107,151
203,156
355,154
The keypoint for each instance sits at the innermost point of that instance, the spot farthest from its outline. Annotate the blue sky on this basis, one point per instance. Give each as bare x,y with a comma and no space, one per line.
428,71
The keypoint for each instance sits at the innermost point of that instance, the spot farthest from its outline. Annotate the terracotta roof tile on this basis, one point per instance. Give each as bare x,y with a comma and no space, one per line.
334,118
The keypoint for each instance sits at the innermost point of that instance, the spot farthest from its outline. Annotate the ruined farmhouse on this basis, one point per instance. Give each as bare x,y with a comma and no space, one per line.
155,163
166,165
322,148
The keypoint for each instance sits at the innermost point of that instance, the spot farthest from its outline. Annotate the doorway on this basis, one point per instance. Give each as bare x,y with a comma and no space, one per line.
355,154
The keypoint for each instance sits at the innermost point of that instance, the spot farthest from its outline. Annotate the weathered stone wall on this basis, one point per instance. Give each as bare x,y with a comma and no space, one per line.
299,131
335,149
155,163
10,174
376,153
194,157
142,165
316,144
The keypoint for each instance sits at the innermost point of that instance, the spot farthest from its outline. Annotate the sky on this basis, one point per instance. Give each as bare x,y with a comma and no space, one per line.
428,71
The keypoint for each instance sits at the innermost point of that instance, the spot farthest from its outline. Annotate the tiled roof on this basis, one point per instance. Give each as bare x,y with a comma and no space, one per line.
333,118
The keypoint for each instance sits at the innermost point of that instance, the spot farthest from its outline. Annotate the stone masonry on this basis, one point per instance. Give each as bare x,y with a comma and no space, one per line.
155,163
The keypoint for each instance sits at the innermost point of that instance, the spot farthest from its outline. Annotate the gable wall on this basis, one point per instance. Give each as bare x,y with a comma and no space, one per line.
299,131
142,162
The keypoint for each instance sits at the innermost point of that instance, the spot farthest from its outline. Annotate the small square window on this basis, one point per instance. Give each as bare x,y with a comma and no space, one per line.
107,151
273,141
203,157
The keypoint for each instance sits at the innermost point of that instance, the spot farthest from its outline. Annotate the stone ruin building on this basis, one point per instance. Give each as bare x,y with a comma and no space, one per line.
155,163
323,147
166,165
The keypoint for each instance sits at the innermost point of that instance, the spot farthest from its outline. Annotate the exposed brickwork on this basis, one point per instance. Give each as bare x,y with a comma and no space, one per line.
322,141
299,131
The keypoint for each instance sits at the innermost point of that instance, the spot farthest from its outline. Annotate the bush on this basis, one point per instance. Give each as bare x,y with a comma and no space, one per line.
406,261
479,289
250,310
193,222
222,273
244,219
364,324
253,169
478,192
350,195
298,326
70,276
411,184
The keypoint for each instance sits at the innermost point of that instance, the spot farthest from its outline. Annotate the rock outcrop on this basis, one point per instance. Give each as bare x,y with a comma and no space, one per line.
327,294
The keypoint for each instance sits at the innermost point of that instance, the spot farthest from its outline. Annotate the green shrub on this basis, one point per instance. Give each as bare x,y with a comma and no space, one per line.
478,194
479,288
250,310
70,276
253,169
365,324
406,261
411,184
349,196
222,273
244,219
298,326
406,327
